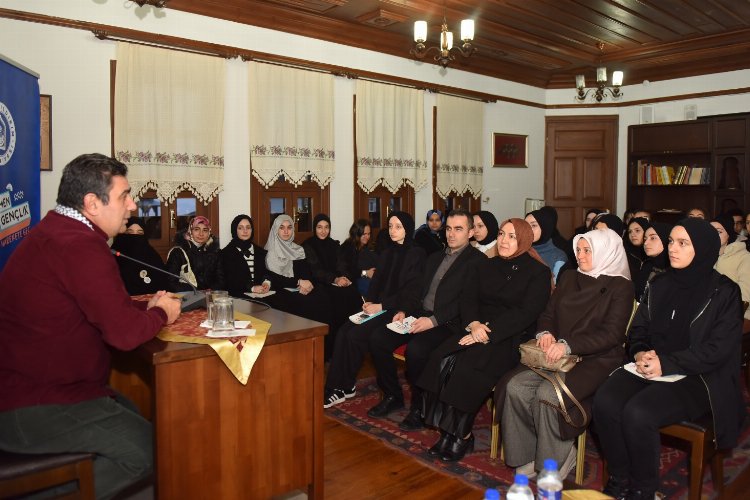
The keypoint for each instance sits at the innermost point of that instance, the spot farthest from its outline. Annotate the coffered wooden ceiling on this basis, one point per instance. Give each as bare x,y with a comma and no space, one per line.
543,43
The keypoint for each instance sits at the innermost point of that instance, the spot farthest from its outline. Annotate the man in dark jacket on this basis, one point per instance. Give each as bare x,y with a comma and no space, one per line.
446,273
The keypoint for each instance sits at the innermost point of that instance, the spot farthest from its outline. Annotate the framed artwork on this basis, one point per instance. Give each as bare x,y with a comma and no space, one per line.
45,131
510,150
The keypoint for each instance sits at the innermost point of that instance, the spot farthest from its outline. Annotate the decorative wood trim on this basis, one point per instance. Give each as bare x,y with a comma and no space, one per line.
225,51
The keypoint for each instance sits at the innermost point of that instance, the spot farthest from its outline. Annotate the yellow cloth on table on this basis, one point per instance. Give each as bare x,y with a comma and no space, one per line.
239,353
584,495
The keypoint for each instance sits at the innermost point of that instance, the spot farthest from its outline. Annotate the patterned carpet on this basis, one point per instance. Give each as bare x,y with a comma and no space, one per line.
478,469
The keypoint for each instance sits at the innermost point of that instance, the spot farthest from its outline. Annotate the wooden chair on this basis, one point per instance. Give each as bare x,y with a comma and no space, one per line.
700,435
22,474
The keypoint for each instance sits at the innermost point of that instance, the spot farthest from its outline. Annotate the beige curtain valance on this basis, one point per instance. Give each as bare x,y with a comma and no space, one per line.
390,137
460,134
169,121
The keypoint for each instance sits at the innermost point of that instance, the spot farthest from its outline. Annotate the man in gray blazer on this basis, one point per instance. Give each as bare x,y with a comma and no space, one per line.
445,276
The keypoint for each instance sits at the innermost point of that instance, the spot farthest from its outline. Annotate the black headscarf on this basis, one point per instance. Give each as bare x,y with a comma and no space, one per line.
136,220
547,220
661,261
688,289
727,222
612,221
327,249
396,254
492,226
236,241
630,248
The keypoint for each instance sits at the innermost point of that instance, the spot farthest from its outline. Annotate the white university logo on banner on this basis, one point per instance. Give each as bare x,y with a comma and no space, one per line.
7,134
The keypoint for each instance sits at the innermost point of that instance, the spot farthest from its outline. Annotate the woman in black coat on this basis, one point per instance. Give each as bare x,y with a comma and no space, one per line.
139,279
395,286
633,243
689,326
321,252
243,262
202,252
510,293
431,235
656,239
356,260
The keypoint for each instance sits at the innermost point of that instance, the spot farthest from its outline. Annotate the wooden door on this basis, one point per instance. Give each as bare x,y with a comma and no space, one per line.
580,167
302,203
377,205
464,201
164,220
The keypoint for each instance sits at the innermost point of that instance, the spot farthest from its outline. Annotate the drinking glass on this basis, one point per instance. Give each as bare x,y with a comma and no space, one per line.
223,314
211,296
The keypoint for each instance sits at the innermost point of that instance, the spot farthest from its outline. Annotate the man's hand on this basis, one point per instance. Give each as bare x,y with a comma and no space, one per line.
399,316
420,324
169,302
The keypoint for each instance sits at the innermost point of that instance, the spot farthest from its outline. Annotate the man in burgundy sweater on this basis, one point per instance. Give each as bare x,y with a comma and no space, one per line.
62,302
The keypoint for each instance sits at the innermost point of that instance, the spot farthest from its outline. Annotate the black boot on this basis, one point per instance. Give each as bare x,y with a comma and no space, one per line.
458,449
617,487
442,444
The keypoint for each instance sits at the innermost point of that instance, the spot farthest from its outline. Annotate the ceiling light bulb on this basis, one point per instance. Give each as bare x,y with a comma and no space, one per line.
420,31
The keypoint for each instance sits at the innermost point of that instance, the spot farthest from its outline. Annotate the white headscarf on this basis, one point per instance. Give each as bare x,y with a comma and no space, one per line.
282,254
608,253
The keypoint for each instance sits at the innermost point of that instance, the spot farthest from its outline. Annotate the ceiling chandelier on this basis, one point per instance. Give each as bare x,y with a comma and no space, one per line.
601,90
443,56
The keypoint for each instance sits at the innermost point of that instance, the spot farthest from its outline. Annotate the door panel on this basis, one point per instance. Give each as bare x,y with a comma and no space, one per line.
379,203
580,166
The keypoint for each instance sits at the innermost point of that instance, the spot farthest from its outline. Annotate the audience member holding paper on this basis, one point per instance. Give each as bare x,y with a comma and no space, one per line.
689,323
329,275
290,275
395,284
244,262
445,277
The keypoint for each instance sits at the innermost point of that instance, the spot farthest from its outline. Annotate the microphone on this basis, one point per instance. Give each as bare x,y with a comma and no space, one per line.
189,302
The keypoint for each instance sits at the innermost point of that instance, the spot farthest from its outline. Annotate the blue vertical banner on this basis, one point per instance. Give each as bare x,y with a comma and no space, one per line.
19,155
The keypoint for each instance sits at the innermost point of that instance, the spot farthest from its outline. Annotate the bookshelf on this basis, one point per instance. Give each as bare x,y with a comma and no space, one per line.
675,166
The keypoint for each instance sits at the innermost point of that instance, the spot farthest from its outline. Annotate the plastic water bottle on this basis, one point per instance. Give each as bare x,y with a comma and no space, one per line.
520,490
491,494
549,484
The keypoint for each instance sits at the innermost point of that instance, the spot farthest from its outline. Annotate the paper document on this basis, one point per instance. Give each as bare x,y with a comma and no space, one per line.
402,326
665,378
362,317
260,295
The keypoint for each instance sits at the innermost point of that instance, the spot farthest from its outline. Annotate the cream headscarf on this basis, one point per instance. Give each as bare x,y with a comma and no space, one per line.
282,254
608,253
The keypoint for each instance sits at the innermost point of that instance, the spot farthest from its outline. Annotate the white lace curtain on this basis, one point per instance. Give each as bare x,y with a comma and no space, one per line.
390,137
291,124
460,143
169,121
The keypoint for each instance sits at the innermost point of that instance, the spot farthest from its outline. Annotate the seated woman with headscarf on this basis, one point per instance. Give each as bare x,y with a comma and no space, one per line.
633,243
608,221
655,243
690,327
138,279
395,286
542,223
485,233
243,262
734,259
196,258
321,252
509,293
290,275
586,316
431,235
356,259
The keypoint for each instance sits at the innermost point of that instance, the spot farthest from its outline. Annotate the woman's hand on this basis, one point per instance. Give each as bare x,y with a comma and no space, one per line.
555,351
647,363
545,341
479,334
262,288
371,308
342,281
305,286
370,272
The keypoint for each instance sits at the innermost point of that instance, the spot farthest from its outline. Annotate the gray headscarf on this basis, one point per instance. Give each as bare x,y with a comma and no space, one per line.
282,254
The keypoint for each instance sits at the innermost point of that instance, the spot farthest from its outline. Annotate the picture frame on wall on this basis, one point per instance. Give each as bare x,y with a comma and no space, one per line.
45,132
510,150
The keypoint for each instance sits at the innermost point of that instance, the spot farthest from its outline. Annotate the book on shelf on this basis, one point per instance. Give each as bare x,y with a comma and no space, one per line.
667,175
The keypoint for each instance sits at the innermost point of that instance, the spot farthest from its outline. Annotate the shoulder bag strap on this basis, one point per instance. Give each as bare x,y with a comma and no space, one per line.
558,384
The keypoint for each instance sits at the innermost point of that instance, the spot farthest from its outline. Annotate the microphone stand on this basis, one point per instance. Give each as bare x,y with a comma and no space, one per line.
189,302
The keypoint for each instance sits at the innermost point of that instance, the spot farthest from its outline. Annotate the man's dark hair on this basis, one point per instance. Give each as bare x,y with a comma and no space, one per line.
460,212
88,173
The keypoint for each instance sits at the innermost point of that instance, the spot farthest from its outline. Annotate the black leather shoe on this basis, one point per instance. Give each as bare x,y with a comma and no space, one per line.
412,421
617,487
386,405
445,441
458,449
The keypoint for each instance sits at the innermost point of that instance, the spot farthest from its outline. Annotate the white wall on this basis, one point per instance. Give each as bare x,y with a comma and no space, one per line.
74,69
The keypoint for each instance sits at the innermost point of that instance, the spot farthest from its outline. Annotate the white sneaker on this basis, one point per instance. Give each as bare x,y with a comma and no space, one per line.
569,464
334,397
527,470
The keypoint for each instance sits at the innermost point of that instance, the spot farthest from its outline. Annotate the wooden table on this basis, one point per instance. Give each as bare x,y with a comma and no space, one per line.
218,439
